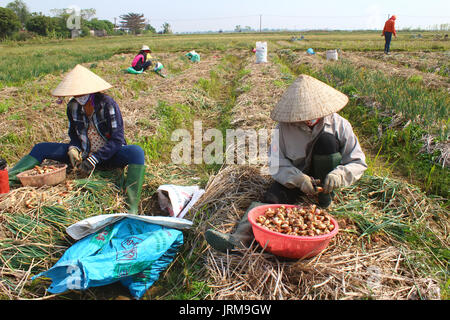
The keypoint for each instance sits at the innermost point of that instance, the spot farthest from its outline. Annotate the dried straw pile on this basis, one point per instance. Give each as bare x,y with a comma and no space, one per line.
344,271
227,196
354,266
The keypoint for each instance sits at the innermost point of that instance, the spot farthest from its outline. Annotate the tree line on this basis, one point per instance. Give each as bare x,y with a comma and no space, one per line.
18,23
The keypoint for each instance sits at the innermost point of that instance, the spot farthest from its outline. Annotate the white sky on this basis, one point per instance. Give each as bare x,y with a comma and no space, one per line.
204,15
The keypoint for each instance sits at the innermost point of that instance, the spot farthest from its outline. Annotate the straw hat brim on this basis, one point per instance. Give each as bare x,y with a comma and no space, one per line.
307,99
80,81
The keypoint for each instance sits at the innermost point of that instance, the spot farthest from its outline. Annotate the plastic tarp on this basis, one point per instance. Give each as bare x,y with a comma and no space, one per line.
133,71
129,250
90,225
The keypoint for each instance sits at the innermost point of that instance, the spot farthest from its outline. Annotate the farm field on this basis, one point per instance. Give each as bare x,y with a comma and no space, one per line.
394,220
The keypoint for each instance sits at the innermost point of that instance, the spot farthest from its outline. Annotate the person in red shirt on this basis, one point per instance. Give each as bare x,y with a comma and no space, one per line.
388,31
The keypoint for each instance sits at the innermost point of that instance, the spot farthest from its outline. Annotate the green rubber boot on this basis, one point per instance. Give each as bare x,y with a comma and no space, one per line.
26,163
241,238
133,186
322,166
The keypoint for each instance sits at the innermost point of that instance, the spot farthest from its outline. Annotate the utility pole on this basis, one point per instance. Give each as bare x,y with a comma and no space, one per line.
260,23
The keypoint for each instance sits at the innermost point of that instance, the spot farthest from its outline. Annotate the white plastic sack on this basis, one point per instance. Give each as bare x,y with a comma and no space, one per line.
261,52
177,200
332,55
91,225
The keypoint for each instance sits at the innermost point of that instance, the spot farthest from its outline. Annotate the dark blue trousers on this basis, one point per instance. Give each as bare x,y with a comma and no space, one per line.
144,66
388,38
131,154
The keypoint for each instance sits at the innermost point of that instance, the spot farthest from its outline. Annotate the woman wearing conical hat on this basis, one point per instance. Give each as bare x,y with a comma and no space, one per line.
142,61
96,135
314,143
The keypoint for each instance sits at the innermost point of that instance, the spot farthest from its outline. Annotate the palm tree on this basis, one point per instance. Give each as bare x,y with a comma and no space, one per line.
135,22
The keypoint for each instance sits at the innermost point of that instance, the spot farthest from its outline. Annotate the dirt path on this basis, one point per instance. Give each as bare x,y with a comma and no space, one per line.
263,86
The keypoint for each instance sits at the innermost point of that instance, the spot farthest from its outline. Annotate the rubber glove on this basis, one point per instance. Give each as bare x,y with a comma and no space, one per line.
74,156
332,181
304,182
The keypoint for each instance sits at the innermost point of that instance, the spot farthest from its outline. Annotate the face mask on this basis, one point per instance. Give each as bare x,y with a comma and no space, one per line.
83,99
312,123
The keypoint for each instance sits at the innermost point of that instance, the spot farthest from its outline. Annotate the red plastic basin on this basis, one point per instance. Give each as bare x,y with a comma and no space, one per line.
288,246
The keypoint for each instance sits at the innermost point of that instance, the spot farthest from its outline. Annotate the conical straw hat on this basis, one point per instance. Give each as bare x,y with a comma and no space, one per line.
308,99
80,81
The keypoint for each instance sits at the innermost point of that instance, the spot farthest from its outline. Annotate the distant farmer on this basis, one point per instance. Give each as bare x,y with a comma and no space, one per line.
388,31
314,143
193,56
158,68
96,135
142,60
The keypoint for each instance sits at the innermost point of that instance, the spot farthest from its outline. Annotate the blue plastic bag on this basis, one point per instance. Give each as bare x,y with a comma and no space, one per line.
131,251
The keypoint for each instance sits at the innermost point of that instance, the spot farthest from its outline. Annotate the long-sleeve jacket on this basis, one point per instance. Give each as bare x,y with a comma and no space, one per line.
108,121
389,26
139,60
291,153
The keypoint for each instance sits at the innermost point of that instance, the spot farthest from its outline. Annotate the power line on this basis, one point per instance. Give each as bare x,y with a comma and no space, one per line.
361,16
289,16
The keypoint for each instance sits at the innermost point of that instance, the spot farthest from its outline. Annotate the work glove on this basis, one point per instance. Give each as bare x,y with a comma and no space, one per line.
305,184
74,156
88,165
332,181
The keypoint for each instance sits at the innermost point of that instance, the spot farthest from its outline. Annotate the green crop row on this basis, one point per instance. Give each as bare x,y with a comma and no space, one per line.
403,113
